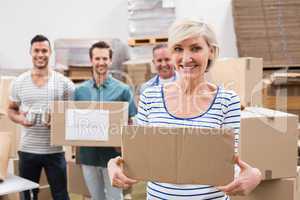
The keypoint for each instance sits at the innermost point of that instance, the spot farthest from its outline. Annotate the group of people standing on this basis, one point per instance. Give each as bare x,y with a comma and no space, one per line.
178,96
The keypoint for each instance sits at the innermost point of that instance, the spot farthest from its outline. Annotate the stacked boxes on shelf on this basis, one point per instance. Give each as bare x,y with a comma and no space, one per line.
149,18
148,23
138,72
282,91
73,56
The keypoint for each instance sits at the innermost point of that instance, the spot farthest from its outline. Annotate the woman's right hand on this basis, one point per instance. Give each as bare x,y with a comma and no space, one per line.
116,175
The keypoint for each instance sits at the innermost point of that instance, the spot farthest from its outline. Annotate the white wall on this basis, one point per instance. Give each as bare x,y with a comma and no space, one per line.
216,12
21,20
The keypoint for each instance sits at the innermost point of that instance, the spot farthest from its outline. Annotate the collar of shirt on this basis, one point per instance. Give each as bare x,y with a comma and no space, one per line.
157,80
104,84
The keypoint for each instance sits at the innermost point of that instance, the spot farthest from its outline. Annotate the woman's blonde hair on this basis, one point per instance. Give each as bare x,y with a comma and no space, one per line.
184,29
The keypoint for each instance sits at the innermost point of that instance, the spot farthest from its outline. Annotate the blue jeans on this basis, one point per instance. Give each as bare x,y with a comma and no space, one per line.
98,183
31,165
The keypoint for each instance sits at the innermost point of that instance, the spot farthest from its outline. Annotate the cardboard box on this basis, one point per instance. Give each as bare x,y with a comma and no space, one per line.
299,131
13,196
45,193
116,113
138,71
8,126
268,141
282,92
79,73
178,155
243,75
76,182
5,82
281,189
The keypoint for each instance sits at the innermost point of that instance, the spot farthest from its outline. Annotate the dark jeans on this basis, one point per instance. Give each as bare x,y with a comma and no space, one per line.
30,167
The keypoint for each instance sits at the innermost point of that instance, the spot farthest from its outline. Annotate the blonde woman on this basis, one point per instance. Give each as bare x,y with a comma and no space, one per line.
191,101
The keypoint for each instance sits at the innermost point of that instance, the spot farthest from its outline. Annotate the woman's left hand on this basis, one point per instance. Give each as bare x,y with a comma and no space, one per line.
247,180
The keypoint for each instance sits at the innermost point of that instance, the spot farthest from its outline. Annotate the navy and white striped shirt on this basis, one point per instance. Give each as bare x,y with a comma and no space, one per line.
224,111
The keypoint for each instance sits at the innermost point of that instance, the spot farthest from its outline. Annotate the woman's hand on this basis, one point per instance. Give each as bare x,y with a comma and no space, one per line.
247,180
116,175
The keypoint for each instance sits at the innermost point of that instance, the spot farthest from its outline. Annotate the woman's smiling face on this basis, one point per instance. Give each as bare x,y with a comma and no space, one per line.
191,57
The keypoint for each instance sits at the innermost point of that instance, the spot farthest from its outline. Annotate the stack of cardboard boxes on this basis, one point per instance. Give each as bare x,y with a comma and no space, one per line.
282,91
137,72
268,138
268,141
7,124
268,29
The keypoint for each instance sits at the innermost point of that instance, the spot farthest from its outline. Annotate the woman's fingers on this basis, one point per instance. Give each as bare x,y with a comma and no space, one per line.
117,177
241,164
125,179
230,187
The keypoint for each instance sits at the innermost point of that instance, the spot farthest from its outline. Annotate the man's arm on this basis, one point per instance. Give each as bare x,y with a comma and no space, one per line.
16,116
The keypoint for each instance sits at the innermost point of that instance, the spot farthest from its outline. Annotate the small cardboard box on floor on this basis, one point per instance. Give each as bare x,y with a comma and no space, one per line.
243,75
76,183
178,155
268,141
82,123
45,193
279,189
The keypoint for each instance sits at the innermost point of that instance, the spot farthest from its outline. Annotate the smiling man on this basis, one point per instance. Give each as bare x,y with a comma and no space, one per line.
101,87
31,94
163,65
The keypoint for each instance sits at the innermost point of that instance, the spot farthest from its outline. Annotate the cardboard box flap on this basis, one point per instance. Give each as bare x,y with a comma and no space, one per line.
178,155
118,116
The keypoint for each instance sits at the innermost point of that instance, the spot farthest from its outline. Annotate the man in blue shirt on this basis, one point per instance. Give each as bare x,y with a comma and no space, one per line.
163,65
102,87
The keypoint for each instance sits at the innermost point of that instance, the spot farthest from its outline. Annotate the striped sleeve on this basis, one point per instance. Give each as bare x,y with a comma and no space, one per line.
232,117
69,90
14,96
143,110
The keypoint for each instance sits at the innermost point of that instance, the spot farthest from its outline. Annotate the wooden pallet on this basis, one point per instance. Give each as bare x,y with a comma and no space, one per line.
146,41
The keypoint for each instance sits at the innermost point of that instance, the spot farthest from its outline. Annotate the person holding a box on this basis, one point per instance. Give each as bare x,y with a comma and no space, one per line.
29,105
191,101
102,87
163,65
